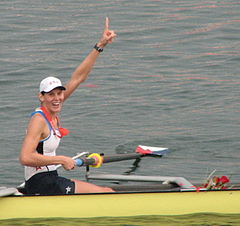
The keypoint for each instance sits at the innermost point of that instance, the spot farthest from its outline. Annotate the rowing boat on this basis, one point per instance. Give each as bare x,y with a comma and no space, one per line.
135,195
120,204
154,201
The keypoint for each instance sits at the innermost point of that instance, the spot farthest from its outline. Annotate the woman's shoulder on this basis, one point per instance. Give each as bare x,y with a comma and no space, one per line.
37,117
37,111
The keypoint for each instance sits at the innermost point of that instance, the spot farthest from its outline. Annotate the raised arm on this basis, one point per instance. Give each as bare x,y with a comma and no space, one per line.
82,71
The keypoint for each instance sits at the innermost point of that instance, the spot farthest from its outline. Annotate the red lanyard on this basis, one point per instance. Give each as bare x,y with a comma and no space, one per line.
63,131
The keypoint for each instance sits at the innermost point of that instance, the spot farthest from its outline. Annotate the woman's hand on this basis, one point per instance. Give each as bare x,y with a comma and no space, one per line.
67,163
107,35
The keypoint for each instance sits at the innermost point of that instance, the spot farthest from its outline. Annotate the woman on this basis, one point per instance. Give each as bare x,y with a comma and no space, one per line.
43,133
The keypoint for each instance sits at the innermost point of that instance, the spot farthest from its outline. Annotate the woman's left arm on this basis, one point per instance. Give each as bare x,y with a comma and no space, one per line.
82,71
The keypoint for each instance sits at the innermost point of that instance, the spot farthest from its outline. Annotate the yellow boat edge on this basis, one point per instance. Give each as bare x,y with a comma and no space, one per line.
120,204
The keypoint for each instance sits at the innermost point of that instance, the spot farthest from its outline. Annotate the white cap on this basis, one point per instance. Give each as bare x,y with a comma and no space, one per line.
50,83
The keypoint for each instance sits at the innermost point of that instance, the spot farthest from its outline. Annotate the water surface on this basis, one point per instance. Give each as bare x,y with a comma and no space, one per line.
170,79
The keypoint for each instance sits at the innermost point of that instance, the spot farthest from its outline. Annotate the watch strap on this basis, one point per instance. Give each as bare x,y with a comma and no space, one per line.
99,49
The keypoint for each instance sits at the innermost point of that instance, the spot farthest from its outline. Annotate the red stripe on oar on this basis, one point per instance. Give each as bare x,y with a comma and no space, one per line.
142,151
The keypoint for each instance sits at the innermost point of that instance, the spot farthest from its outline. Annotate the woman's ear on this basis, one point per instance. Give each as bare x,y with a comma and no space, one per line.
41,97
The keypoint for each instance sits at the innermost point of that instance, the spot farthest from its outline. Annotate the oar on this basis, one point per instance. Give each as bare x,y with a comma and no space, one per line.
96,160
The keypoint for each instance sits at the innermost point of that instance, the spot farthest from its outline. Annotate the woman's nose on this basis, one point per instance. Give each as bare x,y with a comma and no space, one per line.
56,97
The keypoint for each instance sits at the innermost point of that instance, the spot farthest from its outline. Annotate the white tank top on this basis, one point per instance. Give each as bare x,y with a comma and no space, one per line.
46,147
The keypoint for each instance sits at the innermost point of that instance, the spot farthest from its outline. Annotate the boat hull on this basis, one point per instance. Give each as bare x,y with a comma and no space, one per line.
120,204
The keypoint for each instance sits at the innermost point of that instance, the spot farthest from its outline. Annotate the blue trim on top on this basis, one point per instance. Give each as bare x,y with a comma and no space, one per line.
49,125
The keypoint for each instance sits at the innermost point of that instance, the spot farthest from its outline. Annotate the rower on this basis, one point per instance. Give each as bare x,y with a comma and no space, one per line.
38,152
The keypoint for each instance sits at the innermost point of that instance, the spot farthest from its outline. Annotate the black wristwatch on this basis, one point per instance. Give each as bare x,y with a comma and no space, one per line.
99,49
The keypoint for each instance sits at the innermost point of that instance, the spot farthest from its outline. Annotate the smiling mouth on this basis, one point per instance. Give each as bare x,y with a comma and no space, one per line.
58,104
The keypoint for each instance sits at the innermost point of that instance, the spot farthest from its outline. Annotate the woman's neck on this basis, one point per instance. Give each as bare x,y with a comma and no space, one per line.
51,115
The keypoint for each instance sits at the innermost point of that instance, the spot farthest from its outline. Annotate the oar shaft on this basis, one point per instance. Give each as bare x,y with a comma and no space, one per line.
96,159
121,157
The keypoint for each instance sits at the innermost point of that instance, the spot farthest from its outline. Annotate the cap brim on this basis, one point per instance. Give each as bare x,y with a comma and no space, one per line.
58,87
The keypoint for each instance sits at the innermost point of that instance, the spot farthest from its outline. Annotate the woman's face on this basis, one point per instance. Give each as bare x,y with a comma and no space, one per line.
53,100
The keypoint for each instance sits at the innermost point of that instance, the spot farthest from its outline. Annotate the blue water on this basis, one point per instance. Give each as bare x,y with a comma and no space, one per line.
170,79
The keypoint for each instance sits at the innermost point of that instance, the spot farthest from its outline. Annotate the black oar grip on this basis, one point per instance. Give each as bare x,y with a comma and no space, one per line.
88,161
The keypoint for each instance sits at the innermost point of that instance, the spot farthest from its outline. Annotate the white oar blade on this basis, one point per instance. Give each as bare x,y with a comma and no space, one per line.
149,150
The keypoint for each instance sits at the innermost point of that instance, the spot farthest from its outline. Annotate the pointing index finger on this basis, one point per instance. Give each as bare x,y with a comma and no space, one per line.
106,24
